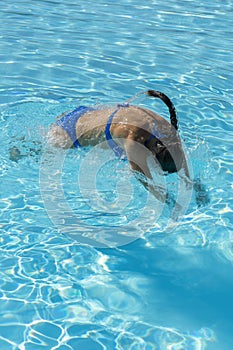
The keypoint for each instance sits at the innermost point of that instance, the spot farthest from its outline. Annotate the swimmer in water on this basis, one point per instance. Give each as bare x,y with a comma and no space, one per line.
132,132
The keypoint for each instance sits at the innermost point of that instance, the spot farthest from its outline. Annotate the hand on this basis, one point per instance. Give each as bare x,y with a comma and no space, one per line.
201,193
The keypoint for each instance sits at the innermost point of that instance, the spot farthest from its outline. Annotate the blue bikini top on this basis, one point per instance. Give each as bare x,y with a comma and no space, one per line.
119,152
68,123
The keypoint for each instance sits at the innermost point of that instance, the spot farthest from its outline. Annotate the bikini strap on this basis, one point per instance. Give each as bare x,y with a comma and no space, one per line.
119,152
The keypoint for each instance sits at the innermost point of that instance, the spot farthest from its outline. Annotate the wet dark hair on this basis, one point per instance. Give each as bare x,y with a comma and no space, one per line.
169,104
161,151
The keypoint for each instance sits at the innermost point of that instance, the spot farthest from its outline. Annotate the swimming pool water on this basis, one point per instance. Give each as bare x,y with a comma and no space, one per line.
165,290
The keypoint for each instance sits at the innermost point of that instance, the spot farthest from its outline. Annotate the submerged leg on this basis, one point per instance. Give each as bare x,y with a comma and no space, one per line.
24,150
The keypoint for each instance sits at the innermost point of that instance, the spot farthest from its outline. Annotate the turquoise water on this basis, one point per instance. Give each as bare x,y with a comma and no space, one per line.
164,290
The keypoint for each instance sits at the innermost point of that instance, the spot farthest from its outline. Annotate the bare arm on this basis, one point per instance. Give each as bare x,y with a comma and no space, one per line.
137,155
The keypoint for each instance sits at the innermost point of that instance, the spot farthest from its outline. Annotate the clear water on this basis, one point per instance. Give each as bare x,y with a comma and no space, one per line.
165,290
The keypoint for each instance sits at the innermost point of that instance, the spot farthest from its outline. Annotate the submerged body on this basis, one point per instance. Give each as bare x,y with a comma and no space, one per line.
148,141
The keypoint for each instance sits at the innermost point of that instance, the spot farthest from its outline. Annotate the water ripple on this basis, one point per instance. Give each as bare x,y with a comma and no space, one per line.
55,293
